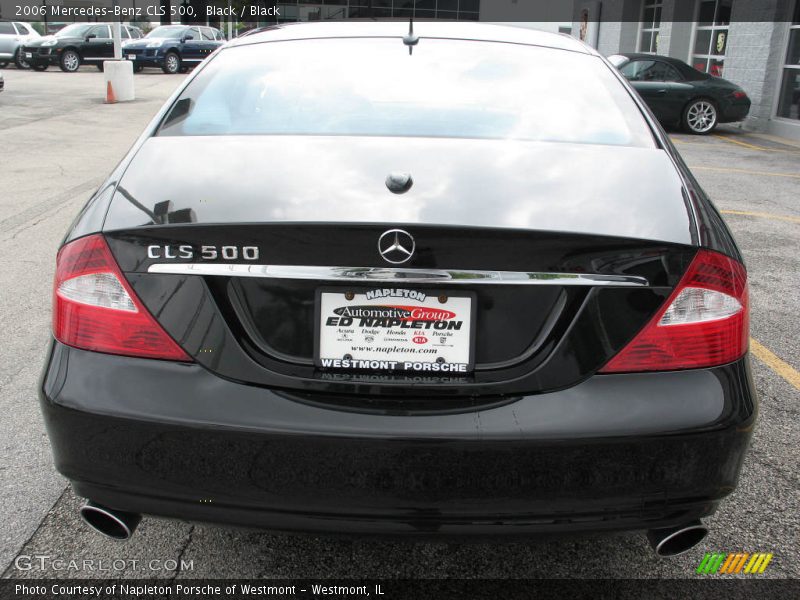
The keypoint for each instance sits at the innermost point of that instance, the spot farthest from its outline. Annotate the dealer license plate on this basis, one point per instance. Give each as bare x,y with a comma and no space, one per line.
395,330
131,57
28,55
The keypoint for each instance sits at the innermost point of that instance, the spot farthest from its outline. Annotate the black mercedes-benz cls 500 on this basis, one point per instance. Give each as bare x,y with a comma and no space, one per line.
357,280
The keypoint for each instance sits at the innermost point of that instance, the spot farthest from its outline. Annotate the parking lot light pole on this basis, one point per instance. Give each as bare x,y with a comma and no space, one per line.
116,35
118,73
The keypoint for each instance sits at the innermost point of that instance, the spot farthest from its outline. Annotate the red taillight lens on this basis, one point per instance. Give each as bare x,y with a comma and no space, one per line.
739,94
95,308
704,322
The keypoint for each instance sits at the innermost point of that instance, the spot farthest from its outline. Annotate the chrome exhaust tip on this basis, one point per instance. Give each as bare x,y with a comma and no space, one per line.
115,524
673,541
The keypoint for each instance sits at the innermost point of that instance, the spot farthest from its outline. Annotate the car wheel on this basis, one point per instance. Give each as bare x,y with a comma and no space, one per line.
137,68
172,63
40,67
20,61
70,61
99,67
700,117
3,64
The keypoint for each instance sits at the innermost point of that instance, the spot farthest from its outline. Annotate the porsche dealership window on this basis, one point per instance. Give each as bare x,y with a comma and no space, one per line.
711,36
651,26
295,89
300,10
789,99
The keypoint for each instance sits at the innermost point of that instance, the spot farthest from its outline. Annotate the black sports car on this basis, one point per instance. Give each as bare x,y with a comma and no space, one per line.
356,280
680,95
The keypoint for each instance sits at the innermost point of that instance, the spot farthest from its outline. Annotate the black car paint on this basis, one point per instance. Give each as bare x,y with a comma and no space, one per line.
563,342
454,179
615,452
175,439
669,99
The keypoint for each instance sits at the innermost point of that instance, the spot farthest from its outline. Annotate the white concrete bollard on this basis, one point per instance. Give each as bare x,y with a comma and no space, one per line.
119,81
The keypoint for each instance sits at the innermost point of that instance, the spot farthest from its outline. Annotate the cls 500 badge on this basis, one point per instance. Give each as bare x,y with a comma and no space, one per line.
186,251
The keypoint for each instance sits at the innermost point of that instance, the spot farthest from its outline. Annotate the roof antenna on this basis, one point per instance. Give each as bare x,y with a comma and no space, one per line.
411,39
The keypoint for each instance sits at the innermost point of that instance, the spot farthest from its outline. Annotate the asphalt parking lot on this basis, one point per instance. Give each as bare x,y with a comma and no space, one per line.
58,142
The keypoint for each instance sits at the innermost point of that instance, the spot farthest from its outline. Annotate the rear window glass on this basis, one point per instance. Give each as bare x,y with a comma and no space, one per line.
373,87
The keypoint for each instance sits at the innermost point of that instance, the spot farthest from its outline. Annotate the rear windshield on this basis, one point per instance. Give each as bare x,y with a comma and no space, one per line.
373,87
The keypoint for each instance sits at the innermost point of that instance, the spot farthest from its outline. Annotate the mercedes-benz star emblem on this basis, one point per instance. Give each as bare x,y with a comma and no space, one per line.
396,246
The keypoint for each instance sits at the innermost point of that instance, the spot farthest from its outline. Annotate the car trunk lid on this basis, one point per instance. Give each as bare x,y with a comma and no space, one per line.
565,251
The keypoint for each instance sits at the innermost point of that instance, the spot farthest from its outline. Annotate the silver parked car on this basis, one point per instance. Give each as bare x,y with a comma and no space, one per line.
12,36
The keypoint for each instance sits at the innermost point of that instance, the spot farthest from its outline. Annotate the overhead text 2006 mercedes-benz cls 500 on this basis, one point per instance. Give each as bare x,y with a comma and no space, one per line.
355,279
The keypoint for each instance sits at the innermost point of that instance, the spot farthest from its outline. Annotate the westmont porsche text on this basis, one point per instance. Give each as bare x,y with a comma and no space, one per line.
393,365
499,303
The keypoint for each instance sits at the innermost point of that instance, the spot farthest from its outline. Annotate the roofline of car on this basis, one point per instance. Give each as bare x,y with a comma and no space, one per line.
267,34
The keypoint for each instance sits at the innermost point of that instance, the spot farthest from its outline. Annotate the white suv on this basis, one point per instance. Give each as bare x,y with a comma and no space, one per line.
12,36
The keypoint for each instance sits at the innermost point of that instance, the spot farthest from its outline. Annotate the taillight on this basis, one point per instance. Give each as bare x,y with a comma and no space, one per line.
704,322
95,308
739,94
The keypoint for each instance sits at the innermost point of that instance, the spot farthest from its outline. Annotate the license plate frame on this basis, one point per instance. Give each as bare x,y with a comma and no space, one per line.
430,296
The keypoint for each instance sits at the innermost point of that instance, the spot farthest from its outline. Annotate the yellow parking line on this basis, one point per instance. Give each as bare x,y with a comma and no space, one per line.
740,143
677,141
775,138
745,171
763,215
776,364
753,146
747,145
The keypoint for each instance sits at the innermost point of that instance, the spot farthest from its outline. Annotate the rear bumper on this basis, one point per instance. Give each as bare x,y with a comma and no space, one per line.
735,110
615,452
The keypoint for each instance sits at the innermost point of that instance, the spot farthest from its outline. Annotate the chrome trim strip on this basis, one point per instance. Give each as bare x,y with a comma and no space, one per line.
398,275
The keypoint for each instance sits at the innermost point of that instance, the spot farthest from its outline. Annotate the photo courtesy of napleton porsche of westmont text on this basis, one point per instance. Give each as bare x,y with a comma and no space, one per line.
205,590
399,299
